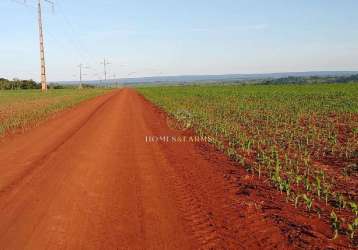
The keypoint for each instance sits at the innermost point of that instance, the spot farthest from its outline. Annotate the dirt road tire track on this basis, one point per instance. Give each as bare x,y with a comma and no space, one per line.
87,179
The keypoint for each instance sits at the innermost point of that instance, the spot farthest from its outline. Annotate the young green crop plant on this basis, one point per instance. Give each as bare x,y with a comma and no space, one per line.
326,192
298,180
342,203
309,201
318,186
354,207
297,200
335,223
352,228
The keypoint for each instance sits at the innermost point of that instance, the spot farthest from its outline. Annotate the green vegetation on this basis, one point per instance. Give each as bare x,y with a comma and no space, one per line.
18,84
303,138
6,84
21,108
311,80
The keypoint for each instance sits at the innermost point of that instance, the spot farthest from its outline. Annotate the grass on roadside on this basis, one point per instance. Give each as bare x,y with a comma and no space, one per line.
22,108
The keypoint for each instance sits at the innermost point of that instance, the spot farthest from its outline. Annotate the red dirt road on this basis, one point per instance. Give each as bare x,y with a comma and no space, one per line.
87,179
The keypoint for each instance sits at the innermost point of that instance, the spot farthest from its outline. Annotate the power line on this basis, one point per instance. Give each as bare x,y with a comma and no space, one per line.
23,2
69,28
69,33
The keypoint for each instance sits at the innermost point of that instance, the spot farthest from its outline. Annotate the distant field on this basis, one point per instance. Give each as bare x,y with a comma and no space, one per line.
302,138
21,108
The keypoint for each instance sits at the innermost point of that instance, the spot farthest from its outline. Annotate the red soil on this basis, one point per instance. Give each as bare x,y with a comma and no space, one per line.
87,179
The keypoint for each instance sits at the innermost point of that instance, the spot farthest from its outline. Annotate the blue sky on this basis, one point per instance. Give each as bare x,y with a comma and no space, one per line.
166,37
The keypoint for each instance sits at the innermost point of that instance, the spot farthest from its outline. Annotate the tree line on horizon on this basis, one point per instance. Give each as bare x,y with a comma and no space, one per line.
14,84
17,84
311,80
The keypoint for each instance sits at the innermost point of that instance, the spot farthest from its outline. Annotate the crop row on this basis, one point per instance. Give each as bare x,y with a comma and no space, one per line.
303,138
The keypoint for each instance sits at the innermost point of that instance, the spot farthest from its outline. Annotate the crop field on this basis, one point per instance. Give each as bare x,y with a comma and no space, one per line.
21,108
303,139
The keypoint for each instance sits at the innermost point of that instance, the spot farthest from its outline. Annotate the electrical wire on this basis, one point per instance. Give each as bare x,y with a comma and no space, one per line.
70,34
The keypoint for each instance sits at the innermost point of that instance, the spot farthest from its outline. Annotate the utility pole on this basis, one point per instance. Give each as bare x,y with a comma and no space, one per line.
105,63
115,81
41,41
42,50
80,66
42,46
